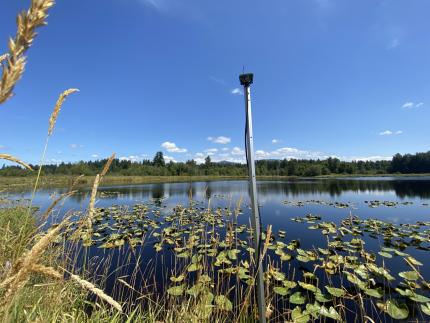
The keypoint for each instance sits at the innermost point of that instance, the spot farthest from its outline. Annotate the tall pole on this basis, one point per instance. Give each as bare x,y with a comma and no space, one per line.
246,80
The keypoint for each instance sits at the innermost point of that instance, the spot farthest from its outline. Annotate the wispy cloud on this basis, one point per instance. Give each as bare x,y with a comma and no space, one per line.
289,153
275,141
395,42
95,156
237,151
2,147
211,151
410,105
220,140
390,133
76,146
236,91
364,158
169,159
172,148
132,158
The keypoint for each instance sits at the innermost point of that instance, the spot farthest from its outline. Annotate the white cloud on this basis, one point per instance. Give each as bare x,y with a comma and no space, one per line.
132,158
275,141
365,158
169,159
220,140
200,155
76,146
94,155
236,91
225,149
390,133
172,148
211,150
237,151
55,161
289,153
395,42
410,105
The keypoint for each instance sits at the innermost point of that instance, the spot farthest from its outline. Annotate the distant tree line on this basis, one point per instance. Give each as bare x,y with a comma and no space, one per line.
417,163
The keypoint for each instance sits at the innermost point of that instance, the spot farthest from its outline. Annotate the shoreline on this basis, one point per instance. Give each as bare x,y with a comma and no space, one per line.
17,183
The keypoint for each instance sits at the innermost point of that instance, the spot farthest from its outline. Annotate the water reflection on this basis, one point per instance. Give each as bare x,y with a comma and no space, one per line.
401,188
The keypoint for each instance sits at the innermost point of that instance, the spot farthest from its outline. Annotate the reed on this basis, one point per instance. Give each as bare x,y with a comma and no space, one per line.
27,261
57,108
96,291
27,23
15,160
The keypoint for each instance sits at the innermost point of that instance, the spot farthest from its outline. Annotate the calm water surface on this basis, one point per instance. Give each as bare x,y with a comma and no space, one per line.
271,196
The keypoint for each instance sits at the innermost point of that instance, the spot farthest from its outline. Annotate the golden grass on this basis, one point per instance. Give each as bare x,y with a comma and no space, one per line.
15,160
92,201
96,291
27,23
107,165
23,266
48,211
57,108
97,181
3,57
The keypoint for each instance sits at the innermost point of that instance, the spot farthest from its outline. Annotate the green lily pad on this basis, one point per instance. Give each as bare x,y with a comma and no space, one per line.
409,275
223,303
177,279
395,310
426,308
330,313
337,292
385,254
309,287
176,290
298,316
280,290
378,292
297,298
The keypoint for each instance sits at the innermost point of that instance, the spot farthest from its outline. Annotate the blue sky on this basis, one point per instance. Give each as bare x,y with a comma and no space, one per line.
332,78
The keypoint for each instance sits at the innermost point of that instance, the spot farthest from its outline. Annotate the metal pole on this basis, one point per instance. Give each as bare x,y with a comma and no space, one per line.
246,80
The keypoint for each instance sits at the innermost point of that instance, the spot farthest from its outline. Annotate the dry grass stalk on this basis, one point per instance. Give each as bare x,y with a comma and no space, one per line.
48,211
3,57
47,271
96,184
28,260
93,201
75,182
98,292
27,23
15,160
107,165
57,108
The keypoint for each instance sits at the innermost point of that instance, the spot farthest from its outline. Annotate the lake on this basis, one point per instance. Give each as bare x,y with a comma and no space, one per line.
284,205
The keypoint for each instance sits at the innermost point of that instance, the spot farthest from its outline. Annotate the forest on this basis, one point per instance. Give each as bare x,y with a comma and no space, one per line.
418,163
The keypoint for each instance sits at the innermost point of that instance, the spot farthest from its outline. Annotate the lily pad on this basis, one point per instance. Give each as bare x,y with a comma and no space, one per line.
223,303
409,275
297,298
337,292
176,290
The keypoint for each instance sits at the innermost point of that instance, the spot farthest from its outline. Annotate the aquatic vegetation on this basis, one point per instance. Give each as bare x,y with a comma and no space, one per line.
211,261
337,205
